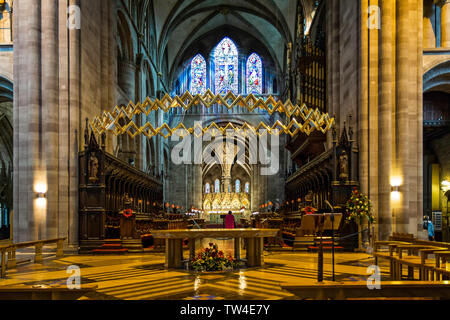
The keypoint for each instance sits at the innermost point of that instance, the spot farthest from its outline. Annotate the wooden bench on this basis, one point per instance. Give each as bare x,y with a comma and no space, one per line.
441,263
410,260
18,292
402,237
38,247
428,269
388,255
355,290
3,250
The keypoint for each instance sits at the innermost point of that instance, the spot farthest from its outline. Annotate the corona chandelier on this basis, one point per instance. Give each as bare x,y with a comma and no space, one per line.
303,119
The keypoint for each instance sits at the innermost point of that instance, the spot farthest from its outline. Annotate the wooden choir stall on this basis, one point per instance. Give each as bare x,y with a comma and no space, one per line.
116,201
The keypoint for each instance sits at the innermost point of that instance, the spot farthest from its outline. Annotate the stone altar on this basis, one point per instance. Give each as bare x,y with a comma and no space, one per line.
174,243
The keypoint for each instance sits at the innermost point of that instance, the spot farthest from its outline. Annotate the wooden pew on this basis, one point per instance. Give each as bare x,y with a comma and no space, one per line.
410,261
3,250
441,262
388,255
38,245
22,292
428,269
355,290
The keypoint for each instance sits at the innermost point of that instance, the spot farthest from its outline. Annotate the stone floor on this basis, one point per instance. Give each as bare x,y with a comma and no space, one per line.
143,276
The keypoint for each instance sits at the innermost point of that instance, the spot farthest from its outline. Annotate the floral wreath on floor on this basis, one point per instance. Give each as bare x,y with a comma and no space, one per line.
127,213
213,259
359,206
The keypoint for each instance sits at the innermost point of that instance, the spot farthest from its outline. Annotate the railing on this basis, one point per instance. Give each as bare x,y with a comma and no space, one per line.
38,246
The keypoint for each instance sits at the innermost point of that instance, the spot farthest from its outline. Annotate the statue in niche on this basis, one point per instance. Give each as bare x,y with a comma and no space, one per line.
93,168
309,198
343,166
126,201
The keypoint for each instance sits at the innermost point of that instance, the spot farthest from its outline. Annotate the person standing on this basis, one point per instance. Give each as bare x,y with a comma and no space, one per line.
428,225
229,221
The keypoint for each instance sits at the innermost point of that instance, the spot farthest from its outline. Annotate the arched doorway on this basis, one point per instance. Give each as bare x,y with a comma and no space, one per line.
6,157
436,148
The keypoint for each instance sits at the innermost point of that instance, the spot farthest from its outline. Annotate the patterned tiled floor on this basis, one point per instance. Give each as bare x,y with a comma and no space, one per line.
136,277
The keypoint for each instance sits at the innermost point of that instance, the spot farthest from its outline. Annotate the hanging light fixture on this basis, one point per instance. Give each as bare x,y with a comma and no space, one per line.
120,120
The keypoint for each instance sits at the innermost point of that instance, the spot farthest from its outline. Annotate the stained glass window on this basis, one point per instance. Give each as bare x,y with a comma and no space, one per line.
217,186
254,74
198,75
237,188
226,67
207,188
247,187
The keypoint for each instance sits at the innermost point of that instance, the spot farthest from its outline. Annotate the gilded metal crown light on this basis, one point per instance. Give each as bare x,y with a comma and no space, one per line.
303,119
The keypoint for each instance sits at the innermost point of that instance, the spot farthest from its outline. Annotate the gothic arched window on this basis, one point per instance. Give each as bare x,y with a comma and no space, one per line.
198,75
217,186
226,67
247,187
207,188
254,74
237,187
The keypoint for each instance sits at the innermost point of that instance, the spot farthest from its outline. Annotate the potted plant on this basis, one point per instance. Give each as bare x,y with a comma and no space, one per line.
359,207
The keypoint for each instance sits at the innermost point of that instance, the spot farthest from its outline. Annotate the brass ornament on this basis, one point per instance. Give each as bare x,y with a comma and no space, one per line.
304,119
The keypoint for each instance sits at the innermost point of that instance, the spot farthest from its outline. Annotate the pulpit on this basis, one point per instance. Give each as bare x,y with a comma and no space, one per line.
127,228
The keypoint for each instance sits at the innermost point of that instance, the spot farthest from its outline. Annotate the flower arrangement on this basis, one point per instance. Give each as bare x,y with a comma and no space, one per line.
359,206
213,259
127,213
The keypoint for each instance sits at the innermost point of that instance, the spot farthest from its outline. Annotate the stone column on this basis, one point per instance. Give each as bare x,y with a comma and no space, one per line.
74,74
429,36
386,91
50,110
408,82
27,143
445,23
415,34
127,77
419,132
403,74
139,141
63,122
363,114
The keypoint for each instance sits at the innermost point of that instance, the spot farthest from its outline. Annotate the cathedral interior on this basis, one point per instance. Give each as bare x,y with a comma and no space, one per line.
131,129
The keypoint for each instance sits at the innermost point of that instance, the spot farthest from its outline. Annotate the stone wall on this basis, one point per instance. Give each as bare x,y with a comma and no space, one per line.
376,75
62,76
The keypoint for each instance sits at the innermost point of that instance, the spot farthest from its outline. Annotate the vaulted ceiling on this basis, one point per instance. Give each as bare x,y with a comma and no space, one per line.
180,23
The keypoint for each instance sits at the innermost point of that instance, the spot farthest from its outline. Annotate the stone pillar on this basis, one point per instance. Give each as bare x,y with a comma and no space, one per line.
74,106
363,119
139,141
407,114
49,58
403,75
386,91
415,34
445,23
127,72
127,78
50,105
419,119
27,143
63,124
429,36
